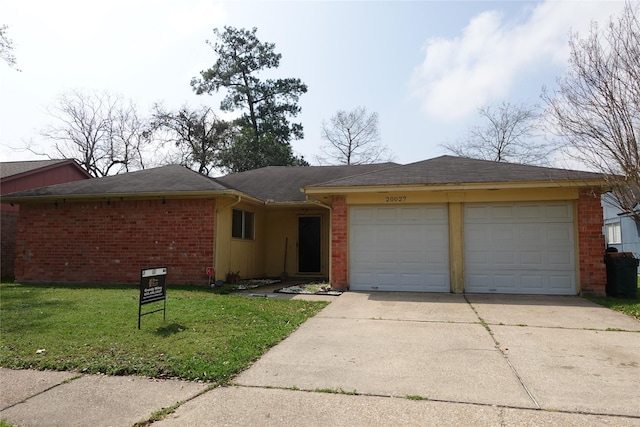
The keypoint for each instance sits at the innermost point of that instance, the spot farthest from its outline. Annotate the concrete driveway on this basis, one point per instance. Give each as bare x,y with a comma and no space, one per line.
385,359
552,353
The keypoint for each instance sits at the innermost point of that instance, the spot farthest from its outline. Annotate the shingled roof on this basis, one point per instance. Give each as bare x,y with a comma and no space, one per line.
459,170
162,180
283,183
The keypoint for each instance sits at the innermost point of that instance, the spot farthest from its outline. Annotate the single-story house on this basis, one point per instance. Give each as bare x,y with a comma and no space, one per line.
24,175
447,224
621,231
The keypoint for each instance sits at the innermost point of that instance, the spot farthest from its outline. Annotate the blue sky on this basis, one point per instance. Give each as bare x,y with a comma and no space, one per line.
423,66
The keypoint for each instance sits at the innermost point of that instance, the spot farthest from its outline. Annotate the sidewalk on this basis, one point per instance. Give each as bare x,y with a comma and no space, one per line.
37,398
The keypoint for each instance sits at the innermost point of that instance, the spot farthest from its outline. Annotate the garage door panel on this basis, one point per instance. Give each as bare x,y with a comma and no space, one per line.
409,247
532,283
409,214
559,259
503,281
532,258
504,258
520,248
386,214
559,234
560,211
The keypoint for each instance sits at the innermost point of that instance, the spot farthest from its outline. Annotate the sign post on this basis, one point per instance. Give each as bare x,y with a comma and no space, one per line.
153,288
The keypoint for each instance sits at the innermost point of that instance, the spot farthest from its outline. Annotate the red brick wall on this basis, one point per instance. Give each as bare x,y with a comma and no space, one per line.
591,246
339,229
9,227
96,242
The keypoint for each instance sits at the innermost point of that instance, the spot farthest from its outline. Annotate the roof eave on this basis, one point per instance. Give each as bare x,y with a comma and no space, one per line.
456,186
129,196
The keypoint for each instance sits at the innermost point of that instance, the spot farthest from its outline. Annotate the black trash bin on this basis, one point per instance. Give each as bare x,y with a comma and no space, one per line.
622,275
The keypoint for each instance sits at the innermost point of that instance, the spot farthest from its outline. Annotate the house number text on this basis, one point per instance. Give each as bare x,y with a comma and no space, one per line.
396,199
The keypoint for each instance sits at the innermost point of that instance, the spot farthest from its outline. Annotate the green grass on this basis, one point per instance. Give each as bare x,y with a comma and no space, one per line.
92,329
625,305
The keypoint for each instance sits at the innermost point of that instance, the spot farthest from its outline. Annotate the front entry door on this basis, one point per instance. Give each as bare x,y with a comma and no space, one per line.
309,251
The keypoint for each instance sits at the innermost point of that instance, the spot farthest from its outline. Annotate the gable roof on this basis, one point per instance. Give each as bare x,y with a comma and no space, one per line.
164,180
283,183
11,169
459,170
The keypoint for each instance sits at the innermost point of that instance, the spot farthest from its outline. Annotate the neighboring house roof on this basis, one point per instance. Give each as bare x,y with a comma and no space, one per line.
283,183
165,180
11,169
459,170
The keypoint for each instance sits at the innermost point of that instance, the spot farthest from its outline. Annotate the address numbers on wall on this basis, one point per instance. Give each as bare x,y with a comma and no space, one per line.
396,199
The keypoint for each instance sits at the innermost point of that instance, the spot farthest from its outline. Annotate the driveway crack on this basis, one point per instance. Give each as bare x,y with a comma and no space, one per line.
504,355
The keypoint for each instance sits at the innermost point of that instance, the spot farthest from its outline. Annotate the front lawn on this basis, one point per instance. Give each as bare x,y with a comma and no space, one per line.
93,329
625,305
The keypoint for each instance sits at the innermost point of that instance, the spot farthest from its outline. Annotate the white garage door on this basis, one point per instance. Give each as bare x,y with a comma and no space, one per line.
399,248
520,248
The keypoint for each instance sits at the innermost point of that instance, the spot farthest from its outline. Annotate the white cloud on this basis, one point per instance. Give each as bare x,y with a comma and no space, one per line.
481,65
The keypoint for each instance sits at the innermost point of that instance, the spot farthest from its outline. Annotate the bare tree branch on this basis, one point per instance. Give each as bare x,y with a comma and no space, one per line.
7,48
99,130
352,139
596,108
199,136
510,134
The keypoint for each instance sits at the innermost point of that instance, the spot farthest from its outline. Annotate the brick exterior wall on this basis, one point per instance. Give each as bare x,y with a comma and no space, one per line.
9,227
339,230
100,242
591,244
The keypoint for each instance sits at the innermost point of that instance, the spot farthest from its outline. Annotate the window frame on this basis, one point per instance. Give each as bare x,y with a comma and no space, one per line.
613,229
245,230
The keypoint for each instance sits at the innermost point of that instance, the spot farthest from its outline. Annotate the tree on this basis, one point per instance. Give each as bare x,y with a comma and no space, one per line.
508,134
265,131
6,47
352,139
596,107
100,131
200,136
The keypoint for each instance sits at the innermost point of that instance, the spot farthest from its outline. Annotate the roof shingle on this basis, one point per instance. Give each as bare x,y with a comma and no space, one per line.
458,170
283,183
161,180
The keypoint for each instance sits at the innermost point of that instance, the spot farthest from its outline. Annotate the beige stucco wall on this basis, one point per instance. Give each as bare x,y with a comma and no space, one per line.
264,255
239,255
462,196
283,227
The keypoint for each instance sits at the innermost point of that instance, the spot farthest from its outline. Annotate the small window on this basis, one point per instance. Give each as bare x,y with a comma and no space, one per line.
242,225
614,235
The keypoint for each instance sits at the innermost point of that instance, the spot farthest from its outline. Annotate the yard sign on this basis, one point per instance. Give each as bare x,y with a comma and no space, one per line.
153,288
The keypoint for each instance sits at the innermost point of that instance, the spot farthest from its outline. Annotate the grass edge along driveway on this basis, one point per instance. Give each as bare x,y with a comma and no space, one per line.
93,329
627,306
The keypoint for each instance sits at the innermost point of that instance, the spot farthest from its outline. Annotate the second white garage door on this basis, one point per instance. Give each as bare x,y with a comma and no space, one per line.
520,248
399,248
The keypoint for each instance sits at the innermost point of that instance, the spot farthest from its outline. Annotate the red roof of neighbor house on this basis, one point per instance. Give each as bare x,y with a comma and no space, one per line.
12,169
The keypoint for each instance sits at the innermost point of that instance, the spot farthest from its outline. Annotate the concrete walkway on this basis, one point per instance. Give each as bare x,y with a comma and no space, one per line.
386,359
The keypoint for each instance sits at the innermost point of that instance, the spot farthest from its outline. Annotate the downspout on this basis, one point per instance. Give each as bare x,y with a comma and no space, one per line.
215,240
330,209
